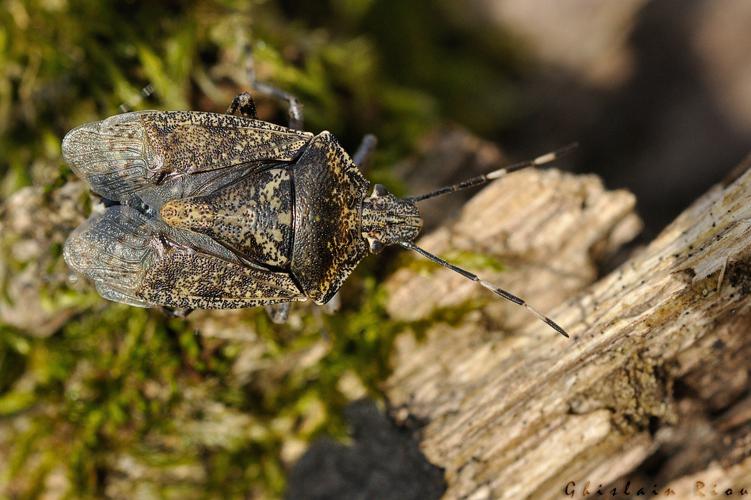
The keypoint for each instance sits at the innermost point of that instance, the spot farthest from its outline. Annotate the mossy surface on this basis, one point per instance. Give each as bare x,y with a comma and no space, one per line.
99,398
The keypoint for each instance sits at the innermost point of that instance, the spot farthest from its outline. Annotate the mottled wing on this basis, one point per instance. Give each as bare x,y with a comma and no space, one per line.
135,260
111,156
127,153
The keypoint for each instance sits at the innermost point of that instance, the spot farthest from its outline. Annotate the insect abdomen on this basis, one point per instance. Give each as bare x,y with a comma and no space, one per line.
252,216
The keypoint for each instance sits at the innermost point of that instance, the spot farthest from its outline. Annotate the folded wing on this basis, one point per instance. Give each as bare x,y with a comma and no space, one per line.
127,153
136,260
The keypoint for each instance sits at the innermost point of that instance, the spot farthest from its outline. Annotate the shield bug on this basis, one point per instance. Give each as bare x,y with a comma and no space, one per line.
219,211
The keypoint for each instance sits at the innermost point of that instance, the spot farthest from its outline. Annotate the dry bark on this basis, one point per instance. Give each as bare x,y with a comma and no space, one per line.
656,364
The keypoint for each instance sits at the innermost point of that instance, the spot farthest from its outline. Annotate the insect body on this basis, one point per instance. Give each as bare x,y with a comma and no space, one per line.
217,211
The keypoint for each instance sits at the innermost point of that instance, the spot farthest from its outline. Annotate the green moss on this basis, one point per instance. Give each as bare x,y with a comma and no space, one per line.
118,393
462,258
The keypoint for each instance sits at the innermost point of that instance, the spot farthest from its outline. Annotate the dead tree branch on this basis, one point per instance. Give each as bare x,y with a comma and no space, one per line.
513,410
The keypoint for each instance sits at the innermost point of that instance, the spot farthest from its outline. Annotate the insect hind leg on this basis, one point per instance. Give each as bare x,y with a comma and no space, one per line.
294,105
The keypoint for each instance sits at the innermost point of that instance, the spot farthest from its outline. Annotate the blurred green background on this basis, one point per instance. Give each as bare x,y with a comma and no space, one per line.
100,399
103,399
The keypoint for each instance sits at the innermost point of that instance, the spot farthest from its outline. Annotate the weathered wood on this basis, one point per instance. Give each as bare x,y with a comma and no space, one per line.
512,410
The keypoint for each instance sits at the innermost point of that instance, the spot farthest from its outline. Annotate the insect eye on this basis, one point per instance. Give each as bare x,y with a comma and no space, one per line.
376,246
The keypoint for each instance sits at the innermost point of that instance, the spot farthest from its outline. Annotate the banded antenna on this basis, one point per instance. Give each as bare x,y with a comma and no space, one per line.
478,181
490,286
496,174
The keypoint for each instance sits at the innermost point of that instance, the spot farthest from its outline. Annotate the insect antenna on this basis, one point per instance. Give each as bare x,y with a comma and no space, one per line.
493,288
482,179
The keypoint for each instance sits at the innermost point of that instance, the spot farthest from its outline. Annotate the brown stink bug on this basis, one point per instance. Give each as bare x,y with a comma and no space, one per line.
219,211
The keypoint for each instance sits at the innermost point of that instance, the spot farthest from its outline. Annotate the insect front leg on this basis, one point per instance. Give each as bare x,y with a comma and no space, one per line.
365,151
333,305
294,104
278,312
243,103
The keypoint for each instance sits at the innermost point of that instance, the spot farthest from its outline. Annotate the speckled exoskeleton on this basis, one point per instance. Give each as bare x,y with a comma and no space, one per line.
218,211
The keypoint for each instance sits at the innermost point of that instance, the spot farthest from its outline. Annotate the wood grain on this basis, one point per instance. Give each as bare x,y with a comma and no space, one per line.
512,410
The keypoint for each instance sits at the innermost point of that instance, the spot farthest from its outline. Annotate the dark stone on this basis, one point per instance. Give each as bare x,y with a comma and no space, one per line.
383,462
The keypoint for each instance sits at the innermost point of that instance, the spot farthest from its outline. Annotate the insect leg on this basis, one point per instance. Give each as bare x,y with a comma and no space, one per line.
365,150
278,312
243,103
333,305
175,313
295,106
146,92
